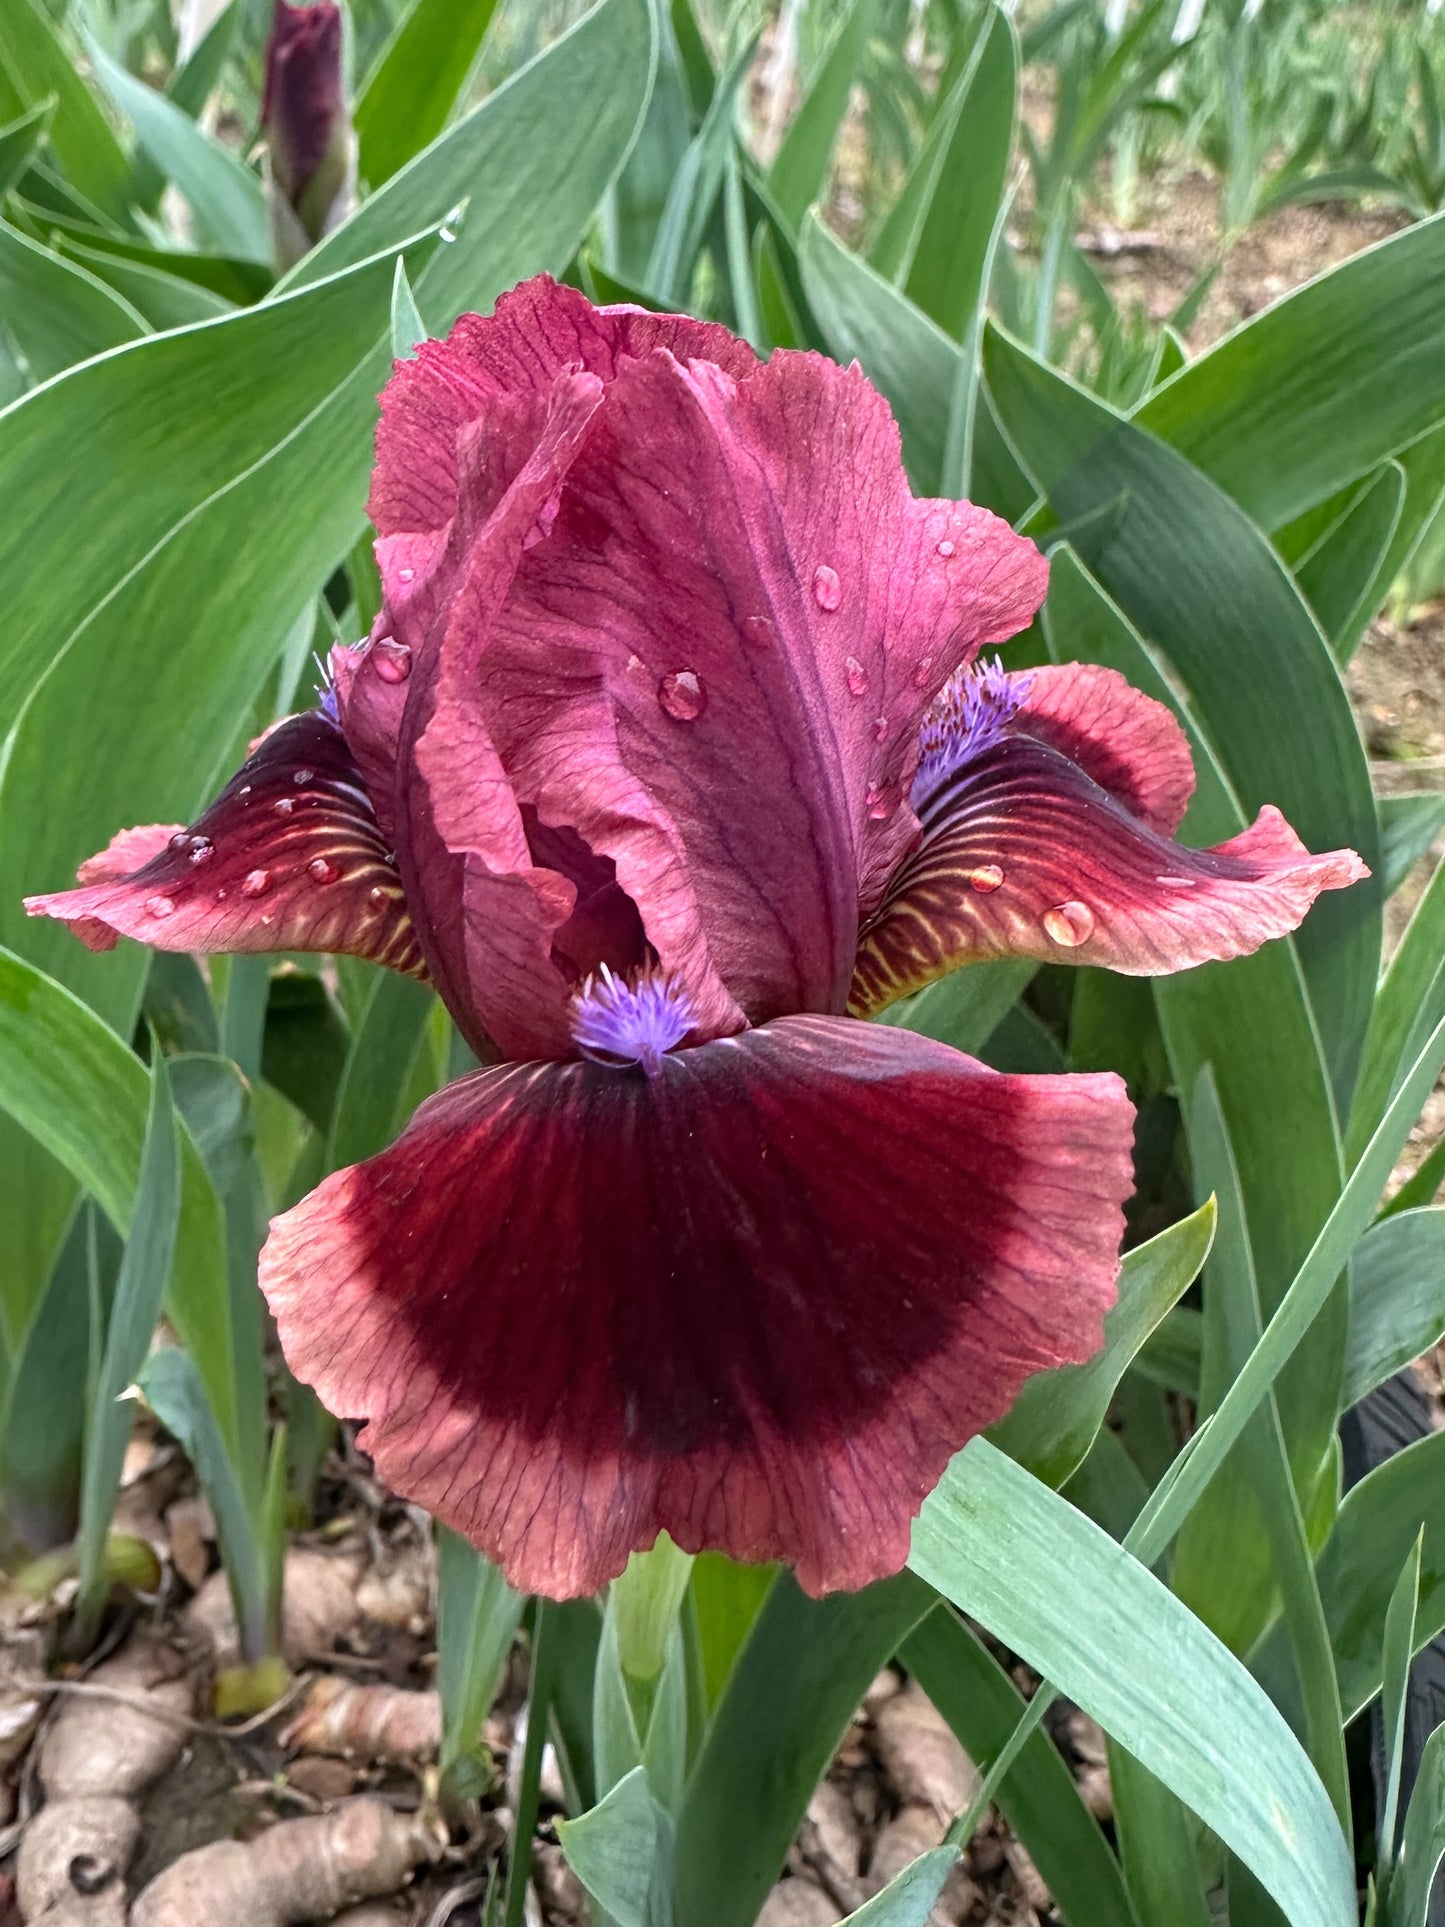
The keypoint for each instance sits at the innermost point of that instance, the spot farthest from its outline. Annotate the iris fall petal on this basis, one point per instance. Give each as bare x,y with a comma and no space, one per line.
1024,854
1129,744
288,857
756,1299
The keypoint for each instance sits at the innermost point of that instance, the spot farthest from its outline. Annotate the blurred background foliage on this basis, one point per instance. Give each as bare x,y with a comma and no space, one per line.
961,197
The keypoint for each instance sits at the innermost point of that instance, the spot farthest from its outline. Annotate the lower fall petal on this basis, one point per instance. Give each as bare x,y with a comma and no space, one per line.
757,1298
1024,855
288,857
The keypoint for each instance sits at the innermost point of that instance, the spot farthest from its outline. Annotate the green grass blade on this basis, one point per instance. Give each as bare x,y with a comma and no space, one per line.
134,1310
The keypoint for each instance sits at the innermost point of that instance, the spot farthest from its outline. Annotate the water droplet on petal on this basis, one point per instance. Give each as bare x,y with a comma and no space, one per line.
987,878
301,777
391,658
284,805
378,893
857,677
322,870
256,883
880,728
159,906
202,849
682,695
923,672
945,549
181,840
245,790
1069,924
882,801
406,575
760,631
827,589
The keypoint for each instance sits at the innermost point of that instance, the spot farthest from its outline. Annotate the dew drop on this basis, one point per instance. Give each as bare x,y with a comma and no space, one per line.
301,777
202,849
181,840
923,672
256,883
945,549
322,870
827,589
882,801
1069,924
391,658
857,677
159,907
682,695
759,630
406,574
880,728
245,790
378,893
284,805
987,878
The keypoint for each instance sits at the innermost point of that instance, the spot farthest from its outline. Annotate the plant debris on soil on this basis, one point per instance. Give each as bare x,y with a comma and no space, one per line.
131,1805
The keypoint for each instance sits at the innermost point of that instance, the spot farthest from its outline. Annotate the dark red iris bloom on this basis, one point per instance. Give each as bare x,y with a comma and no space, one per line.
306,124
663,757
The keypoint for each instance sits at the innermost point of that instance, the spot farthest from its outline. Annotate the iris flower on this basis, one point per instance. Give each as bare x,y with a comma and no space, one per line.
666,762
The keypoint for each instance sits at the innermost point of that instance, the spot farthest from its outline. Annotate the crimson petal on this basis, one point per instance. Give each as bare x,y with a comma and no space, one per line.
1024,854
288,857
757,1299
714,666
489,914
445,433
537,333
1129,744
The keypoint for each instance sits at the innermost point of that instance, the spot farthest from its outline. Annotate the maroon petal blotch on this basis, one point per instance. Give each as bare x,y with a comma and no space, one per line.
756,1298
1024,854
288,857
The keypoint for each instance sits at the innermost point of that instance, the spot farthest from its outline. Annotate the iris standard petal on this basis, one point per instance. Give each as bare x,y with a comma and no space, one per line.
506,930
714,667
756,1298
1023,854
288,857
445,432
537,333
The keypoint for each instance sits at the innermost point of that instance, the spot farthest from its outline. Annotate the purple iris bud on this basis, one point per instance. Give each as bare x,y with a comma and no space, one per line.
307,127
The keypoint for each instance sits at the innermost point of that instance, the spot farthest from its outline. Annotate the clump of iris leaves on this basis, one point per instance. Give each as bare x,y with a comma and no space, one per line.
1163,1537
